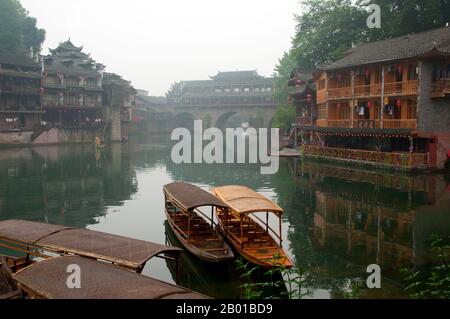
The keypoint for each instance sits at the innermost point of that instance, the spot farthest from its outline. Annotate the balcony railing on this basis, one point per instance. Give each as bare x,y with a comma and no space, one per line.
370,123
403,124
374,90
339,123
340,93
401,88
367,90
71,104
16,89
409,160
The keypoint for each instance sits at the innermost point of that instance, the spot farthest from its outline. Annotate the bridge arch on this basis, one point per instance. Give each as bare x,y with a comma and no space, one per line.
185,120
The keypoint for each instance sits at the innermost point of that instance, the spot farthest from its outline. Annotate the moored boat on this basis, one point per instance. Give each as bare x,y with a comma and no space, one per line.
247,231
185,205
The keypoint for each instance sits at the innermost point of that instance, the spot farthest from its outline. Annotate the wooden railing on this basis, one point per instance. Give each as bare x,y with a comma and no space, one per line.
366,123
409,160
338,93
403,124
339,123
370,123
401,88
367,90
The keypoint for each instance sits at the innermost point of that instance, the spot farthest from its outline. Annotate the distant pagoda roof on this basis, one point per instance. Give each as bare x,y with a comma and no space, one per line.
67,46
427,43
236,75
69,59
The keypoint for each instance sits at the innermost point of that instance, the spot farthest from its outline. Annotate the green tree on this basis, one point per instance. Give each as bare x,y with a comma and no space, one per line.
284,117
18,31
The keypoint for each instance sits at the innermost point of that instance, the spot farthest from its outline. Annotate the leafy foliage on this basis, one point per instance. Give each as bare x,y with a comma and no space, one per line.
291,280
284,117
18,31
435,283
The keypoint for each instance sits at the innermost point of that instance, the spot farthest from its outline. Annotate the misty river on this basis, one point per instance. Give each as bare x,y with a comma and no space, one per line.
337,220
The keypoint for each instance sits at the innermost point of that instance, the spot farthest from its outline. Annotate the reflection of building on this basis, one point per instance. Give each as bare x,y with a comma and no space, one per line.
225,89
63,184
20,101
364,231
385,103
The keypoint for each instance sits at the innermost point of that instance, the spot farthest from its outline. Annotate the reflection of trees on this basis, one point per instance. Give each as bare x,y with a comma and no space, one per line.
64,184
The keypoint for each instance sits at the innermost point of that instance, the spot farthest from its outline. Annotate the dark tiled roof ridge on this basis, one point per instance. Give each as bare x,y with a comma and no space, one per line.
397,48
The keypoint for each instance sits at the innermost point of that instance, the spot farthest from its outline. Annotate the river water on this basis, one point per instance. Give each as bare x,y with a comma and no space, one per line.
337,220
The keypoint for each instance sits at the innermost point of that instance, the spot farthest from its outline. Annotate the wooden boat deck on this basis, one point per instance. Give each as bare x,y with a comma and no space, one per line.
199,233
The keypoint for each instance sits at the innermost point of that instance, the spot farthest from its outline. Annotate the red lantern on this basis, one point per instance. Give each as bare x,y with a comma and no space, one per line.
399,103
369,104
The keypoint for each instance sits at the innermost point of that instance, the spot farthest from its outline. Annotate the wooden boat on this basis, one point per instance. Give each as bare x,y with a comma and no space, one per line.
249,234
194,229
111,265
8,286
44,241
47,279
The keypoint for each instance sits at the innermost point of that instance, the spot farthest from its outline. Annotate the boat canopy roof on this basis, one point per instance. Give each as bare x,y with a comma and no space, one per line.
244,200
48,279
124,251
188,196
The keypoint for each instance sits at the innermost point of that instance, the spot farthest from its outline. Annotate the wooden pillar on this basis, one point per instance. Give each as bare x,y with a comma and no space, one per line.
382,96
352,101
280,229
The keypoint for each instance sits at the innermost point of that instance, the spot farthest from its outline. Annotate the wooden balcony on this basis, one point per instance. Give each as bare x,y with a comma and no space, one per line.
370,123
403,160
340,93
373,90
440,88
402,124
367,90
339,123
401,88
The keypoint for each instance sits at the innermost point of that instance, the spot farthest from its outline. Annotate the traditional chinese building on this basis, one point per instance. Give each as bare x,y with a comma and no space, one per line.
72,88
224,89
385,103
118,100
20,101
302,95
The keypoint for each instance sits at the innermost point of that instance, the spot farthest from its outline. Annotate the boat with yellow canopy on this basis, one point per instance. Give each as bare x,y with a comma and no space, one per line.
245,228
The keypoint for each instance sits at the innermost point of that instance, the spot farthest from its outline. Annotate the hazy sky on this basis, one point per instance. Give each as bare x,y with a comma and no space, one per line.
156,42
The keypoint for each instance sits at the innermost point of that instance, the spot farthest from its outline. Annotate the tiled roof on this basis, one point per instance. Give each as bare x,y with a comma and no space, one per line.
409,46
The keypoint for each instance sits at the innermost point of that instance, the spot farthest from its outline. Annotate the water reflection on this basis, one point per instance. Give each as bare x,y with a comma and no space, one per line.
338,220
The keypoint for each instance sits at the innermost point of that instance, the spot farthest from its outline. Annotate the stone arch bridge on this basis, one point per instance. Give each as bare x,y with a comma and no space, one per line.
258,116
